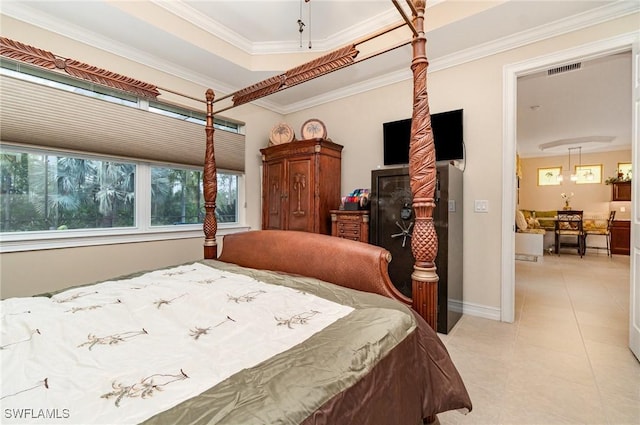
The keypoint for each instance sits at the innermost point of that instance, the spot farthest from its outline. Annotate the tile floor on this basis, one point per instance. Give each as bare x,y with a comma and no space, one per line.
565,358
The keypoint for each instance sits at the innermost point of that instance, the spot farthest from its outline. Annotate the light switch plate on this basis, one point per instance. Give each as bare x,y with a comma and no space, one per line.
481,206
452,205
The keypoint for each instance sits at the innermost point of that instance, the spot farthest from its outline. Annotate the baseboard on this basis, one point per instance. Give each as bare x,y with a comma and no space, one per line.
456,306
483,311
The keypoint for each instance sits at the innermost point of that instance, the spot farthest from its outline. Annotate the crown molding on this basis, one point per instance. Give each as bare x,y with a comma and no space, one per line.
553,29
583,20
20,11
219,30
211,26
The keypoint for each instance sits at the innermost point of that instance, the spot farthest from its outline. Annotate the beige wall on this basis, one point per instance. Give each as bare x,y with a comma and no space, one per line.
356,123
477,87
35,272
591,198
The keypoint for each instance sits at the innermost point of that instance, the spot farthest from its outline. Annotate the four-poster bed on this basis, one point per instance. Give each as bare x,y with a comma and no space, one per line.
374,361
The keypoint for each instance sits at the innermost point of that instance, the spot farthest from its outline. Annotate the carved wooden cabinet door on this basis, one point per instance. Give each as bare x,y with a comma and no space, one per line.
274,193
300,208
300,185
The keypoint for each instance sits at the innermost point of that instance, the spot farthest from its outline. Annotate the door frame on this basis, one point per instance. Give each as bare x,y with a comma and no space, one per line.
511,72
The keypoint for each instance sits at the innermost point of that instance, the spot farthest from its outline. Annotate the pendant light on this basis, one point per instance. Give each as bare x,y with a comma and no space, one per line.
574,176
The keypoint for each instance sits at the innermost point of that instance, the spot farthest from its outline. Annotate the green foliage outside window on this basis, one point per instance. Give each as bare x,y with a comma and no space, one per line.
177,197
46,191
52,192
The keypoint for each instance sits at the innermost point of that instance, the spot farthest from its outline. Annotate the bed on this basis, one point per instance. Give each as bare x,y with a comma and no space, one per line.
106,353
370,355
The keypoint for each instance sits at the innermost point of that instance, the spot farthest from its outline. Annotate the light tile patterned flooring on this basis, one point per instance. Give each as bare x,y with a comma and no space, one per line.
564,360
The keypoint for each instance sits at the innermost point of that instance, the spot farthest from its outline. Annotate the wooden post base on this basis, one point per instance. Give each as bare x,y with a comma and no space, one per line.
425,301
211,252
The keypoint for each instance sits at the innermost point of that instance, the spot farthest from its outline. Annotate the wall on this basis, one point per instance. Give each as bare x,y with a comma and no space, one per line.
35,272
591,198
356,123
477,87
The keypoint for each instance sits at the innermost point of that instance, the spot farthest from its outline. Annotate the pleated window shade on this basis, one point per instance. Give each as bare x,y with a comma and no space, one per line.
38,115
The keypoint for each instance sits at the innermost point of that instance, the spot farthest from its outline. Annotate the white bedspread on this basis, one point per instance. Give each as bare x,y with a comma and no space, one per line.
122,351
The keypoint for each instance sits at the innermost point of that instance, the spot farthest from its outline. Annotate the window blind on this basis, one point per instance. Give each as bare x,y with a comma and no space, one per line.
38,115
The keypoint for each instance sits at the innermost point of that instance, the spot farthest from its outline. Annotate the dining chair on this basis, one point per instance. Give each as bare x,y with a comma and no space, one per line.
569,223
606,232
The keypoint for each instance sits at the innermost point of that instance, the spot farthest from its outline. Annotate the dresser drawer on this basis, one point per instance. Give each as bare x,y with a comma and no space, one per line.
348,230
352,225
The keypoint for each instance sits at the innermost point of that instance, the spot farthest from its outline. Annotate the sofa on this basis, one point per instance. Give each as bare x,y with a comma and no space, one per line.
530,235
539,220
545,220
530,223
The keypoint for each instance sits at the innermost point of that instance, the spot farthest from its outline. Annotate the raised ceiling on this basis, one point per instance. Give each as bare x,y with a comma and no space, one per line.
228,45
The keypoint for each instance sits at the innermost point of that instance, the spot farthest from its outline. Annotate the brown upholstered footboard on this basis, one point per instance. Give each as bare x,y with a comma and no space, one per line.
340,261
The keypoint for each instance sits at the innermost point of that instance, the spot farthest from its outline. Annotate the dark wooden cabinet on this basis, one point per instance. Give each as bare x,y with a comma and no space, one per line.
352,225
301,184
621,237
621,191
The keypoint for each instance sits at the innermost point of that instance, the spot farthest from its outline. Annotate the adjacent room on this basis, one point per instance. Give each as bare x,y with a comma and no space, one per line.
320,211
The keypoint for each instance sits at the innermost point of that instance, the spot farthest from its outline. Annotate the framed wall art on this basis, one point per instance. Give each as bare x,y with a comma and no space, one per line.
549,176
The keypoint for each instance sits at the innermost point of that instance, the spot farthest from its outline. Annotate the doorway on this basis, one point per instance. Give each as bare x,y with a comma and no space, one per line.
627,42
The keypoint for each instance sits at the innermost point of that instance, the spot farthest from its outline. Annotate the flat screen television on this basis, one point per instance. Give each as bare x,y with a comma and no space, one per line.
447,136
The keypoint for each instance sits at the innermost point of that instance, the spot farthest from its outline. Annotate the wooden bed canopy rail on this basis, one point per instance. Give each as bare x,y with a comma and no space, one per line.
422,163
333,61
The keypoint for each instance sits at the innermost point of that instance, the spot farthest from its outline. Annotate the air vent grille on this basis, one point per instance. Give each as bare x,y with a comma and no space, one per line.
564,68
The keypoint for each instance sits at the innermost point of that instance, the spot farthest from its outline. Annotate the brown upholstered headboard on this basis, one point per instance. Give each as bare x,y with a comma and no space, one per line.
347,263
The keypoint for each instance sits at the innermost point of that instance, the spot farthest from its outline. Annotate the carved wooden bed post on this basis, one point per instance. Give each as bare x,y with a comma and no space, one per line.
210,181
422,175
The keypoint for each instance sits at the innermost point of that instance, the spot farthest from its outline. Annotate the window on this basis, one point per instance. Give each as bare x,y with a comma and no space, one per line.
54,199
60,81
549,176
49,195
63,82
624,170
42,191
177,197
227,200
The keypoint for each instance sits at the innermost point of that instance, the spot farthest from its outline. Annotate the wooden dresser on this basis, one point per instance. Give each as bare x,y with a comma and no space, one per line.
300,185
352,225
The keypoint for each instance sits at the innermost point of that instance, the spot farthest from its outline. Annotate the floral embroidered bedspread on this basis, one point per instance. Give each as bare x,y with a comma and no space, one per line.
122,351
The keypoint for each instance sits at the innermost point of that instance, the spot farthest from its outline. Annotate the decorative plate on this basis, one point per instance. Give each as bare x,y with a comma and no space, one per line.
314,129
281,133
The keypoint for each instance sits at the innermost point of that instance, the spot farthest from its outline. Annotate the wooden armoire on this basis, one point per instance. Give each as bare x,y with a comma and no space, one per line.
300,185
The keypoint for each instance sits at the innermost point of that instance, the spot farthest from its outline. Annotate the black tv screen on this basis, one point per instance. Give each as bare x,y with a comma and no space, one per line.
447,136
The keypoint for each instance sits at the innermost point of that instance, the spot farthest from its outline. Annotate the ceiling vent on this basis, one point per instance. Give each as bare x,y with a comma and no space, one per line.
564,68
